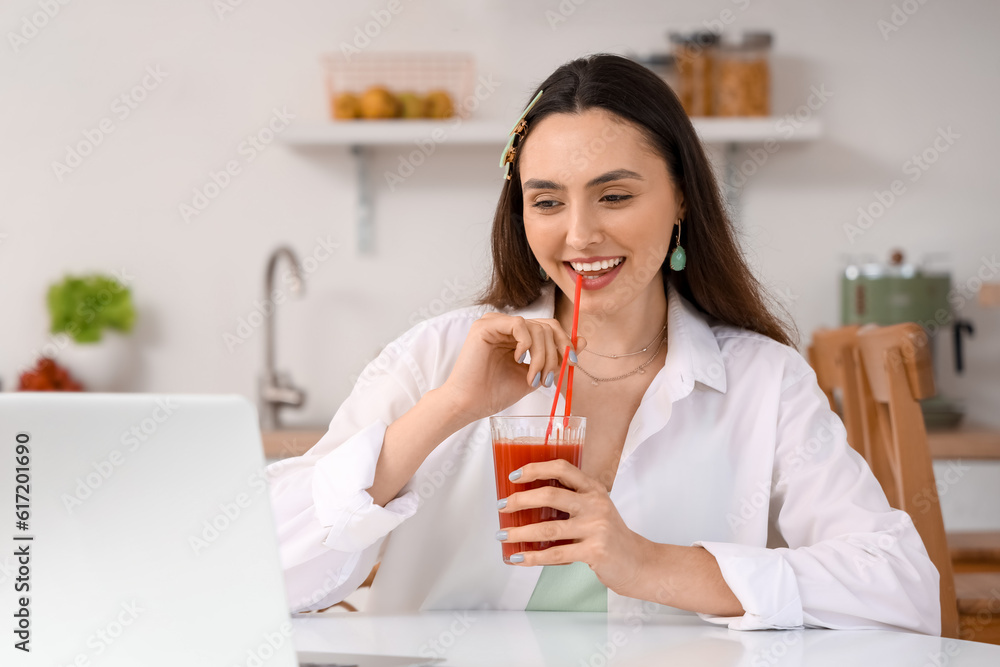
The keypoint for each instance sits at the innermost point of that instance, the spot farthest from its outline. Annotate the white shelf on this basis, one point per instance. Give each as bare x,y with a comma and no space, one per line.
402,132
395,132
756,130
361,136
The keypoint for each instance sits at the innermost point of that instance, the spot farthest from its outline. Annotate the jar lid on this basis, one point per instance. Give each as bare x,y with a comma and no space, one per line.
700,38
750,39
758,39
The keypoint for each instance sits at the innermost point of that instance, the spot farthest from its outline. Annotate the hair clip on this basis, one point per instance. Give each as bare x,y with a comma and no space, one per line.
510,151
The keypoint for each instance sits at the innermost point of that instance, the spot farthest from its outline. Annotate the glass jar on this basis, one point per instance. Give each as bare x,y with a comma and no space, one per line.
693,56
663,65
743,76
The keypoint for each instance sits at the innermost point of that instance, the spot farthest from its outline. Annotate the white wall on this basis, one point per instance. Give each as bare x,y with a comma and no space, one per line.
193,282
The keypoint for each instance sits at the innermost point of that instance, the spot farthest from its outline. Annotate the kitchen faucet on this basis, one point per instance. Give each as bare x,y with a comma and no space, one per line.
276,388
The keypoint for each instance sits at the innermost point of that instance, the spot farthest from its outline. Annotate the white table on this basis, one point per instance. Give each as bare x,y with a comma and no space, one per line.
525,639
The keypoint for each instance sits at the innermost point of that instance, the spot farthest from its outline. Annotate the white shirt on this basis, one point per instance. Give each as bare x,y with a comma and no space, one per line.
733,447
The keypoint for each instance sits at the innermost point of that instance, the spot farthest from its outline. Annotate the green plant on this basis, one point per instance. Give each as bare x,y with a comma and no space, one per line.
84,306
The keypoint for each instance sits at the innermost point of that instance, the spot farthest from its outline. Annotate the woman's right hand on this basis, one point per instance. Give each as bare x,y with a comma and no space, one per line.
488,376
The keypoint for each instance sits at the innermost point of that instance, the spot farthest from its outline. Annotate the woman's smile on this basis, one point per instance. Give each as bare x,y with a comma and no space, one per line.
597,272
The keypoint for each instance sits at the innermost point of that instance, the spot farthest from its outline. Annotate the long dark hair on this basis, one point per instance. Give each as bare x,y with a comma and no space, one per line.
717,279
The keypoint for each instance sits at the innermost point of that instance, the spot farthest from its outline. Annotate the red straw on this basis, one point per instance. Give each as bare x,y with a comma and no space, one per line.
562,368
576,322
555,401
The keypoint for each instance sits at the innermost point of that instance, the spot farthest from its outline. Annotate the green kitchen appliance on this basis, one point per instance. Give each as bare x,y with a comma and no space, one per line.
897,292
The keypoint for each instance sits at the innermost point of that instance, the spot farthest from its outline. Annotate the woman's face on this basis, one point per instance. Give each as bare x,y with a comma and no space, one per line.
600,202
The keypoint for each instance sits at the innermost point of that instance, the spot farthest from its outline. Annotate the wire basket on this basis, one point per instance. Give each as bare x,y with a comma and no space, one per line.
420,73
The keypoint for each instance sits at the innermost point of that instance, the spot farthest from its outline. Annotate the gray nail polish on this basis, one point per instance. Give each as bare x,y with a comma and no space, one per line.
549,379
501,504
572,357
517,558
524,355
501,535
514,476
538,379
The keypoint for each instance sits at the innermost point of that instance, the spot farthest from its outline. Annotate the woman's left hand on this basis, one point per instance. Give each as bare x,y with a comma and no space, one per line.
616,554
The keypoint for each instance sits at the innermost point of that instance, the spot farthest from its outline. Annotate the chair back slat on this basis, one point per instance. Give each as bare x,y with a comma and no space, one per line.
831,356
896,373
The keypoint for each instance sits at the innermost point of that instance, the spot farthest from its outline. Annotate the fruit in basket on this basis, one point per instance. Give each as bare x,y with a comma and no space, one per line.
439,105
346,106
412,104
47,375
377,102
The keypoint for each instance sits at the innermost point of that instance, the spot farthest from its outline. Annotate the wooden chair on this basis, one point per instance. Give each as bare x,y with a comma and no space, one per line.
831,356
895,373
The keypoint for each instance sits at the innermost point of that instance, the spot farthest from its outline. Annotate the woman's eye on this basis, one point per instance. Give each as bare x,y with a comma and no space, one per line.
614,199
545,203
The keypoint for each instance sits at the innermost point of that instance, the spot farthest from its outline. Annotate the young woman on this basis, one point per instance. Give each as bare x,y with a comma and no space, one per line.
715,479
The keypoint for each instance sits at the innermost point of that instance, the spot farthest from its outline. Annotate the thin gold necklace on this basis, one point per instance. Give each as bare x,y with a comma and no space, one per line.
629,354
594,380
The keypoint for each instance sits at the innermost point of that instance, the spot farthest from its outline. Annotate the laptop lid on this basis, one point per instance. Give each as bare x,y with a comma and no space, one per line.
137,530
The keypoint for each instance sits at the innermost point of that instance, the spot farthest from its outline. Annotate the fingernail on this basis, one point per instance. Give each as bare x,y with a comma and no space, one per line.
549,378
501,504
524,355
572,357
517,558
538,379
513,476
501,535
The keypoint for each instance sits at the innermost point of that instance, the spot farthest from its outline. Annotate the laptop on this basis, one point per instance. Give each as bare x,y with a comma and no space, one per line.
138,531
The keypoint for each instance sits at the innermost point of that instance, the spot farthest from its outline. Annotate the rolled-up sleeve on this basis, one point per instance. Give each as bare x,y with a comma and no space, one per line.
851,561
330,530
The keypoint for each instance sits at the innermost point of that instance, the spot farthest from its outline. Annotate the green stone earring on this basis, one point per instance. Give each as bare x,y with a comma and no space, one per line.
678,258
542,273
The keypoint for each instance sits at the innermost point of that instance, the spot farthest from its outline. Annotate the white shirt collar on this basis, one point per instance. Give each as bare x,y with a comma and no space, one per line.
693,353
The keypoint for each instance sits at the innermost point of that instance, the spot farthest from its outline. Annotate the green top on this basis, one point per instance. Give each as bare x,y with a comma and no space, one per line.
572,587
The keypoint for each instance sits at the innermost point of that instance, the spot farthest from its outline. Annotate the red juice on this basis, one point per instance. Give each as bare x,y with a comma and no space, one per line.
511,454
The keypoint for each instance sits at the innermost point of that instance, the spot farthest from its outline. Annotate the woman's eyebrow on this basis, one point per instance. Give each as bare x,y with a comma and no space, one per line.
615,175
